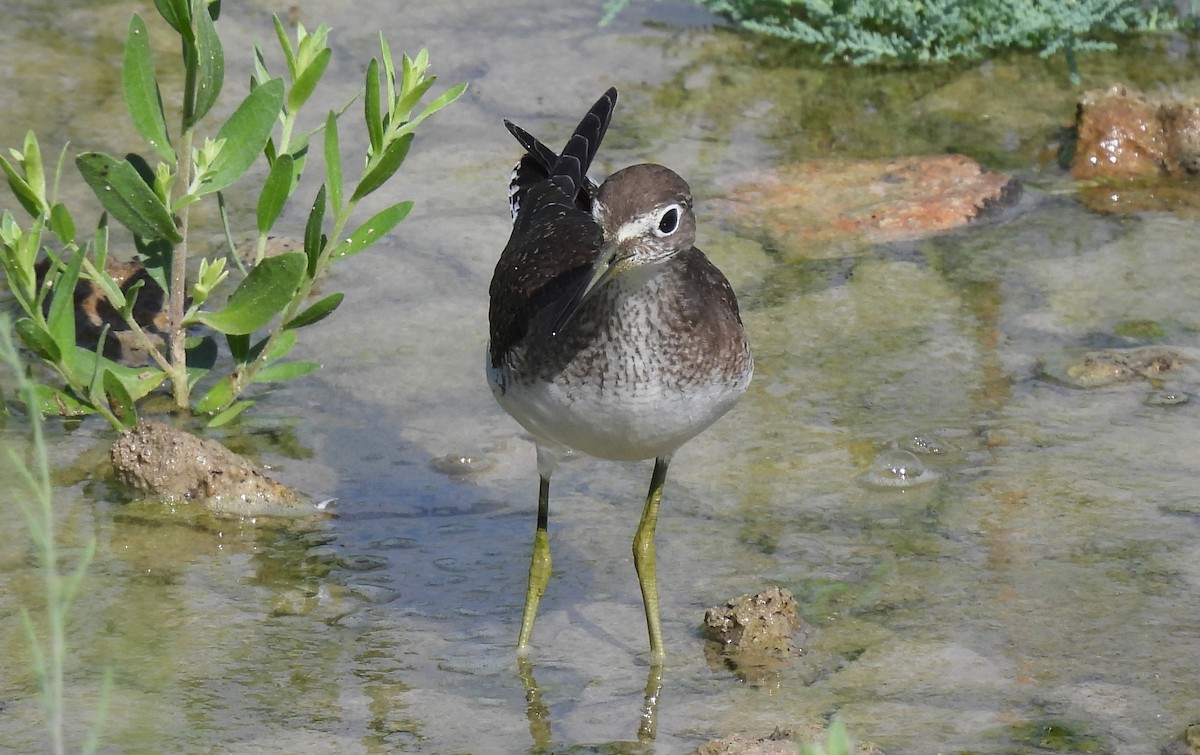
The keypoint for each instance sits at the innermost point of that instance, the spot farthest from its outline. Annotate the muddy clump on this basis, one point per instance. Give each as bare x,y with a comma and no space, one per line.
754,636
1106,367
162,462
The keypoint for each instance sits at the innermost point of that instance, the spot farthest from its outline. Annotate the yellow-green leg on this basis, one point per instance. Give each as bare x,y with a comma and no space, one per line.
643,557
539,565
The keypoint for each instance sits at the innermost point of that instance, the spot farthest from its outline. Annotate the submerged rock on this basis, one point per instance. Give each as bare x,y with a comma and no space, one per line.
1104,367
164,462
804,207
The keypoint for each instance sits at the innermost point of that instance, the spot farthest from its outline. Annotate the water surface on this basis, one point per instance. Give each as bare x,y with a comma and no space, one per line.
1040,593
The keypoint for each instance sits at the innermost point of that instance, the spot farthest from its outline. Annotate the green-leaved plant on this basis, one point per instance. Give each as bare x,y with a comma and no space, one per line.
194,162
920,31
33,496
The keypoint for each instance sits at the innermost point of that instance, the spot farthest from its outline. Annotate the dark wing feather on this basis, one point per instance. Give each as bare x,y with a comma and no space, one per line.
544,156
548,256
540,162
554,239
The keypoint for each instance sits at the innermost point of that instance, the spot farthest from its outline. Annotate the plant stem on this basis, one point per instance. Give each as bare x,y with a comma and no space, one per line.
39,518
178,291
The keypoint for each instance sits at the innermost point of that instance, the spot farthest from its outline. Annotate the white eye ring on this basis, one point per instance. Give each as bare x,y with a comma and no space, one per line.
668,221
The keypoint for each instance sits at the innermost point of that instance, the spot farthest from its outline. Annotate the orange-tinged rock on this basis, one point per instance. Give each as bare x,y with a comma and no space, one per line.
1118,134
807,208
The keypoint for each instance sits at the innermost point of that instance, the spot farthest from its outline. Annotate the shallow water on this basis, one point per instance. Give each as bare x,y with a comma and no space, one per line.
1040,593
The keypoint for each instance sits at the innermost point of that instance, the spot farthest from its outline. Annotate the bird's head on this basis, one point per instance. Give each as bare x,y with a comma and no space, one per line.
645,213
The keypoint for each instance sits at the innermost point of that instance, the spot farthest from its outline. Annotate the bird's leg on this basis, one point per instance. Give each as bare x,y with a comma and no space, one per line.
643,557
539,565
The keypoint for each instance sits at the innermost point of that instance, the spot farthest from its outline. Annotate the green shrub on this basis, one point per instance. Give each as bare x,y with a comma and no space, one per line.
194,163
919,31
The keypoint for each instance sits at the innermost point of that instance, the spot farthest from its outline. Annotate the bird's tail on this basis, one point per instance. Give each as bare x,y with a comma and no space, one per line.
568,171
572,165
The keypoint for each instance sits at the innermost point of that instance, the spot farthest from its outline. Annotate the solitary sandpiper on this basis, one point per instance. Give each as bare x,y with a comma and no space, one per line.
610,332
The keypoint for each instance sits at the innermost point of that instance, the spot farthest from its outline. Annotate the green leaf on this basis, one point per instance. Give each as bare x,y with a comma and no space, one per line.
239,347
266,291
277,347
285,371
370,232
61,318
371,107
124,194
55,402
409,99
142,95
138,381
314,240
178,14
211,66
21,189
230,413
333,164
303,85
450,95
275,192
218,397
317,312
387,165
100,242
37,340
157,256
120,403
62,223
285,44
35,174
245,134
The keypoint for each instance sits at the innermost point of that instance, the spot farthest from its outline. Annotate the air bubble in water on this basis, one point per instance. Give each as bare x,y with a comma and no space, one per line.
898,469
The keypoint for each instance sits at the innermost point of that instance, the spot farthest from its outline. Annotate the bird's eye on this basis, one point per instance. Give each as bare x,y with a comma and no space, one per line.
668,222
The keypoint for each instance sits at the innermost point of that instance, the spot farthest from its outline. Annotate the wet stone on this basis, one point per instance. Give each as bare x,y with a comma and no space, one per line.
1122,132
1096,369
802,208
160,461
1134,147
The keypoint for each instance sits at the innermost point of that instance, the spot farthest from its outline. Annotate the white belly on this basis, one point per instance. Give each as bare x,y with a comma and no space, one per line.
640,419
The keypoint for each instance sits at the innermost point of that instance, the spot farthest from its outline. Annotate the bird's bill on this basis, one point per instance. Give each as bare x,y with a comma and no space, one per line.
609,263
